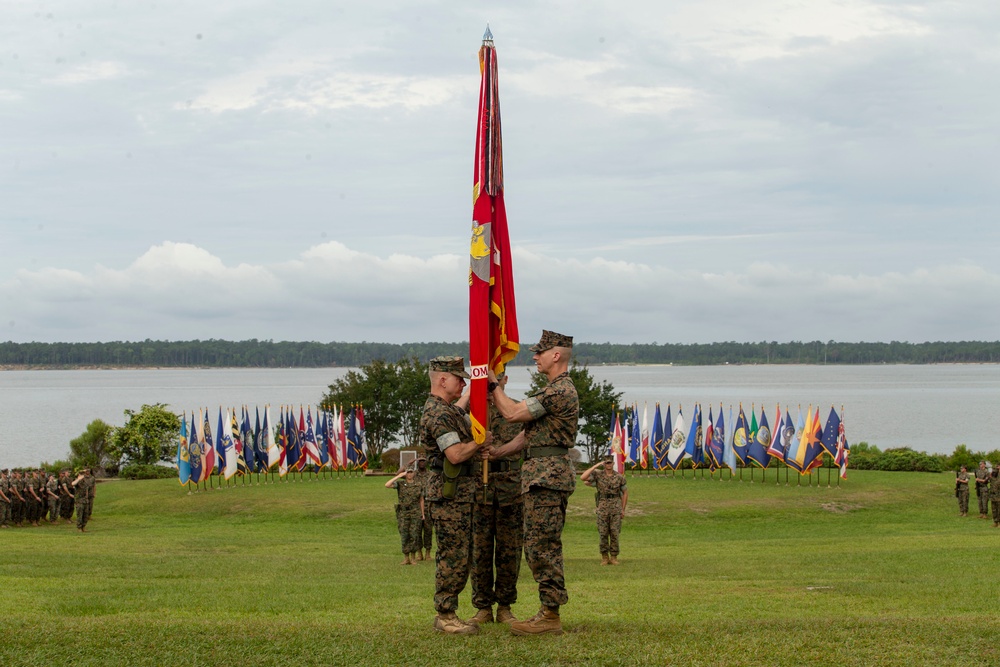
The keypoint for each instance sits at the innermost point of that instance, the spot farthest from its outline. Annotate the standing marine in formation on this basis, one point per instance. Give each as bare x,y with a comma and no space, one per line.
983,489
550,418
612,499
427,528
962,491
994,493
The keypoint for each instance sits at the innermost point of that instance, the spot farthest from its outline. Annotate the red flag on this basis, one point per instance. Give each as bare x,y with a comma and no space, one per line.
493,338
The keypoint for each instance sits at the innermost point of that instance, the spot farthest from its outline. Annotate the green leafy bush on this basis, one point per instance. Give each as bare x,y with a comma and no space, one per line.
146,471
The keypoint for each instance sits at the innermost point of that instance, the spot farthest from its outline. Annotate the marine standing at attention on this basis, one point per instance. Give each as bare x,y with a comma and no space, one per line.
427,528
550,418
995,495
962,491
446,436
612,499
983,489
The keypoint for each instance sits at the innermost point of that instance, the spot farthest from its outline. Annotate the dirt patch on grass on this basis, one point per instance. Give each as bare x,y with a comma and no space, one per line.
840,508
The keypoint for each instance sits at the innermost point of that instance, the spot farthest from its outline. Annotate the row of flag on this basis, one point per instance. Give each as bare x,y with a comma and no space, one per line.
239,447
800,443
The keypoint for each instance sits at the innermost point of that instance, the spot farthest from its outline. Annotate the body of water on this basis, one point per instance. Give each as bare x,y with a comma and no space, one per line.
929,408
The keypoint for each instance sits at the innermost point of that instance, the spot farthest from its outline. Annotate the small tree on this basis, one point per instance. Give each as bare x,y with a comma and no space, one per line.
392,395
414,386
92,448
597,403
148,436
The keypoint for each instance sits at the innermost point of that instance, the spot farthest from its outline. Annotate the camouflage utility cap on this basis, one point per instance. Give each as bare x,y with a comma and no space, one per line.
551,339
453,365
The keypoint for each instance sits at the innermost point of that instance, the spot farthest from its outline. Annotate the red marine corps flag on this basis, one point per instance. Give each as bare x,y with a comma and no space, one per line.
493,339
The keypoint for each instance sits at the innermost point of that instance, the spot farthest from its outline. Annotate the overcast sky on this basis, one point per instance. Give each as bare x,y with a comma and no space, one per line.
690,171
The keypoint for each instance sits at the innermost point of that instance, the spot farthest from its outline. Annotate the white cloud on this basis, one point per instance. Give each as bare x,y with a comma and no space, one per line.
331,292
104,70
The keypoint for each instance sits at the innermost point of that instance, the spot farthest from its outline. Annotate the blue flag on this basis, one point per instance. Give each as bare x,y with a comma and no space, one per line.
692,448
757,451
183,454
831,434
740,436
717,446
656,438
249,446
194,452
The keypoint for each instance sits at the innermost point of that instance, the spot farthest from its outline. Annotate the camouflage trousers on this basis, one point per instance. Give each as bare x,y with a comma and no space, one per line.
544,516
426,533
82,513
53,510
5,514
409,524
996,509
17,512
32,510
609,525
984,502
963,501
497,537
66,508
453,559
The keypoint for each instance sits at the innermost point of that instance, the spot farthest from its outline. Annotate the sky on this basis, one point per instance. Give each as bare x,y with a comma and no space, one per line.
675,172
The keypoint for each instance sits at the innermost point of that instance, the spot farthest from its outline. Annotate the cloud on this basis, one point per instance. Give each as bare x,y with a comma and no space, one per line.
331,292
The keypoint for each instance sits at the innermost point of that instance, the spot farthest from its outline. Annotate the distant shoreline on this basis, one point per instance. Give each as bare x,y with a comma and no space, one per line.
110,367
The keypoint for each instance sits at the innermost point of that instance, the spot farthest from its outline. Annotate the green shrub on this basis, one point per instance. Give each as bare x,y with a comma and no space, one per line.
147,471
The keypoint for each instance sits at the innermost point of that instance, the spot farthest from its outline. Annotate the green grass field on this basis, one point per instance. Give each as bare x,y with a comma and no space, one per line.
880,571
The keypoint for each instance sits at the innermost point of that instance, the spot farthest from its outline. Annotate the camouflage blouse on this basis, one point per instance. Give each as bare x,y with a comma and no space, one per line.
556,410
409,495
441,426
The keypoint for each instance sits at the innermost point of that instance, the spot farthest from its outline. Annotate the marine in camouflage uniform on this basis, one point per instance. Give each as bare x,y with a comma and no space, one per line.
83,487
33,499
409,510
427,526
497,529
17,498
446,436
612,498
550,418
5,495
983,489
52,497
994,493
962,491
66,493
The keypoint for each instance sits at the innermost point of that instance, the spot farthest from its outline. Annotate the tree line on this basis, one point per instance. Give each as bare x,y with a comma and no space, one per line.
253,353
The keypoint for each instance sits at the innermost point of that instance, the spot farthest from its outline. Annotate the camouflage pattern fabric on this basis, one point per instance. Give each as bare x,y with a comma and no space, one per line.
427,526
994,494
52,487
408,519
16,504
963,493
442,421
546,484
83,500
611,487
5,504
497,527
453,525
983,490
